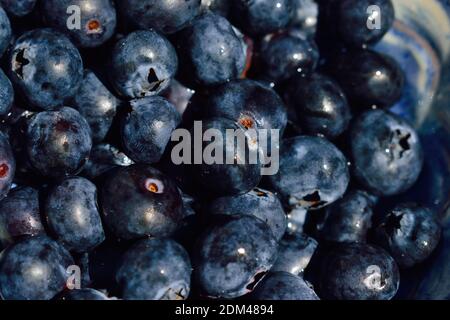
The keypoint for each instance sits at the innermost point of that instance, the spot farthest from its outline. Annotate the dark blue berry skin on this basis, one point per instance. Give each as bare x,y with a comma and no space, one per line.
351,20
5,31
226,179
386,152
319,104
249,103
103,158
287,54
349,219
141,201
7,165
46,67
34,269
233,255
261,17
147,128
142,64
58,142
221,7
369,79
313,173
306,14
166,16
84,294
96,104
155,269
97,20
296,218
259,203
410,233
72,214
294,253
283,286
18,8
20,215
6,94
358,272
211,51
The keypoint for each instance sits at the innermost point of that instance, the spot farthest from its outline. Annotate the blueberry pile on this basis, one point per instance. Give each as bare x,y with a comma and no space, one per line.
93,207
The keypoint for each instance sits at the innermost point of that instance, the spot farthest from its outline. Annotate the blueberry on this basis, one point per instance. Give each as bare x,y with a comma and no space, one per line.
18,8
319,104
305,16
20,215
296,219
6,94
313,173
259,17
259,203
46,67
143,64
58,142
358,272
211,51
233,255
386,152
7,166
166,16
294,253
5,31
34,269
141,201
96,104
349,219
72,214
84,294
222,179
148,127
284,286
410,233
369,79
287,54
155,269
97,20
221,7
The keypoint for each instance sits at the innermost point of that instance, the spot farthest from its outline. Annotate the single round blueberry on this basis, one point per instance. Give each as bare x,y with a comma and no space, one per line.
211,51
5,31
155,269
386,151
6,94
294,253
96,104
143,64
58,142
369,79
18,8
259,17
72,214
141,201
319,104
287,54
221,7
259,203
358,272
410,233
7,165
20,215
34,269
148,127
166,16
84,294
284,286
233,256
313,173
349,219
46,67
97,22
228,168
